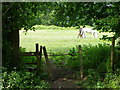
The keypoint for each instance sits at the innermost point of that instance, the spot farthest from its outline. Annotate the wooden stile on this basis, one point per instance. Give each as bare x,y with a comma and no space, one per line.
39,54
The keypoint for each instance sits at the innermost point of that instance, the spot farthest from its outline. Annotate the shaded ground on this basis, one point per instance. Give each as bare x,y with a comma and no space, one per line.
64,83
63,78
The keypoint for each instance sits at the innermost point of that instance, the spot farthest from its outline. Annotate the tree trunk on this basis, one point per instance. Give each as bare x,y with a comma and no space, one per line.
15,45
14,40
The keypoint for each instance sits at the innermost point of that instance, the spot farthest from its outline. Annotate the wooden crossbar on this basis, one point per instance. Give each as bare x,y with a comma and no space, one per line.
28,54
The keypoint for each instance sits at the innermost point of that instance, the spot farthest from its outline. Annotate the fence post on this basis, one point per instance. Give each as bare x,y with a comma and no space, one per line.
112,53
48,63
37,57
40,54
81,60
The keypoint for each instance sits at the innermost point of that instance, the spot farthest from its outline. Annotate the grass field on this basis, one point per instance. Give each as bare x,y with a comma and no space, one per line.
55,40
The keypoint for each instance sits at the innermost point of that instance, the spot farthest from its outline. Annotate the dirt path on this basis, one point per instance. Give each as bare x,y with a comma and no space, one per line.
64,83
62,78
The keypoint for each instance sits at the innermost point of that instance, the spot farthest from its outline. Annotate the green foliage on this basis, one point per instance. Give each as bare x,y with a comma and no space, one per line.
45,17
117,54
95,57
23,80
94,81
58,59
6,52
112,80
52,27
104,16
26,59
92,78
73,60
22,18
15,16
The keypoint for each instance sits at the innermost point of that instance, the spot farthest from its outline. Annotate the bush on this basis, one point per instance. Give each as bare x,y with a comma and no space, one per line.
21,79
112,80
73,60
94,81
94,57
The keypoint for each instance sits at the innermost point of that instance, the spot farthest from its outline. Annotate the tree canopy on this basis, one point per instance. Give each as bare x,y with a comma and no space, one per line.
15,16
103,16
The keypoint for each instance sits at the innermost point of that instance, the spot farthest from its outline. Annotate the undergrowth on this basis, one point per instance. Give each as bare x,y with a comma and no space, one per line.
22,80
96,61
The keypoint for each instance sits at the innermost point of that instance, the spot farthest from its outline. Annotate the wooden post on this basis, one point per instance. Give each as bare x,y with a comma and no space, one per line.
40,61
48,63
81,60
112,53
38,58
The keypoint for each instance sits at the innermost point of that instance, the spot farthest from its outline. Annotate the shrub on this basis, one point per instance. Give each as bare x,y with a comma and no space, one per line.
95,57
112,80
73,60
21,79
94,81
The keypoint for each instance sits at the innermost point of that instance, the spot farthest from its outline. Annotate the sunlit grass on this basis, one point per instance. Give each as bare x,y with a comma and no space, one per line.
55,40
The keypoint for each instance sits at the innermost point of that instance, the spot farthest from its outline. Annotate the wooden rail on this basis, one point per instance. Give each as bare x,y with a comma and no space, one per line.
28,54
